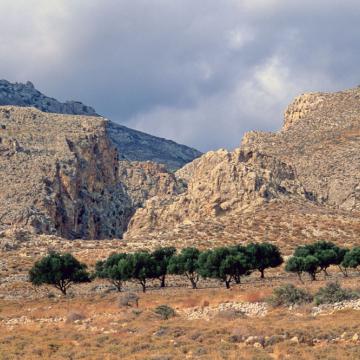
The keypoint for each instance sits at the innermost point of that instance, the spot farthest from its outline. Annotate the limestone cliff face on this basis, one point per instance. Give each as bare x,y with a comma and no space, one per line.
310,169
221,183
60,175
321,139
144,180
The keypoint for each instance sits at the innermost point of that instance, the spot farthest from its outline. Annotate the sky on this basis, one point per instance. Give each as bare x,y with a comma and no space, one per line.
199,72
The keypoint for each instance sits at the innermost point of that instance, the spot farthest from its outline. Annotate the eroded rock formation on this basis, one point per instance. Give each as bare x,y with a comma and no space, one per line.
309,169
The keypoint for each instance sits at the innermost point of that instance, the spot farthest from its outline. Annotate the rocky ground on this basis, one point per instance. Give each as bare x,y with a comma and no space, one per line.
210,323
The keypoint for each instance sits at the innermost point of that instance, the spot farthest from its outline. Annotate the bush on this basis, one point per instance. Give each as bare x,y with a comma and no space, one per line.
74,316
333,293
287,295
165,312
129,299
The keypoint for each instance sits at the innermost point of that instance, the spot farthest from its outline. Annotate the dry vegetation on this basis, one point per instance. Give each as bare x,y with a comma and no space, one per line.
91,323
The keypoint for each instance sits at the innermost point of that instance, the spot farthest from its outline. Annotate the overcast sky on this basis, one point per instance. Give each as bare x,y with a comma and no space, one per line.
200,72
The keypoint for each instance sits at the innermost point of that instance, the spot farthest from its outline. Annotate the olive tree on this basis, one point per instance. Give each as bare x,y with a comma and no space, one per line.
186,263
59,270
116,269
264,256
225,264
162,258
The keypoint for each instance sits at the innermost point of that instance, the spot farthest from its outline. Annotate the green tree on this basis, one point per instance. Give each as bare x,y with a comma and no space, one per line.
143,267
326,252
264,256
311,266
58,270
224,264
162,258
116,269
351,259
295,265
186,263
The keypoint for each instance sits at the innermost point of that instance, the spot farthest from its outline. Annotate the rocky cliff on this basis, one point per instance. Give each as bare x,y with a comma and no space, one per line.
26,95
321,139
306,174
131,144
61,174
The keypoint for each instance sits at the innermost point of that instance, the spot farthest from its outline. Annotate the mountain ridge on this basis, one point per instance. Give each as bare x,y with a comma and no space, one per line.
132,144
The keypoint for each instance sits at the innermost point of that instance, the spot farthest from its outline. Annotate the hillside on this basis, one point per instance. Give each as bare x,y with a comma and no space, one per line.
68,179
132,145
299,184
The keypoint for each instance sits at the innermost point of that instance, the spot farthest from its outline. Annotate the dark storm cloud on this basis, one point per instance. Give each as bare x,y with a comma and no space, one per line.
199,72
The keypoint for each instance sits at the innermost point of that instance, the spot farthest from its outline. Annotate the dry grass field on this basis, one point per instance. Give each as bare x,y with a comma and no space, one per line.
91,323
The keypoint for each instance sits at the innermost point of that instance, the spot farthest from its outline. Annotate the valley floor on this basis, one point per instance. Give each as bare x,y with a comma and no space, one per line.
210,323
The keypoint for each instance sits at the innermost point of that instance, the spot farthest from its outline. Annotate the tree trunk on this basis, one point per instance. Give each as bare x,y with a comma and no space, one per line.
237,279
299,276
227,284
143,284
262,271
118,285
193,283
343,270
313,276
63,290
162,281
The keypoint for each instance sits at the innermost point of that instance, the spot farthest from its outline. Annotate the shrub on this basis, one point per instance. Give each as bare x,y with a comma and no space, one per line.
288,294
74,316
58,270
129,299
333,293
165,312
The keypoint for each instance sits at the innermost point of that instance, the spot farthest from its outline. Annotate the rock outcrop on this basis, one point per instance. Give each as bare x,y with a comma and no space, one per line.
61,174
308,170
131,144
26,95
321,139
222,183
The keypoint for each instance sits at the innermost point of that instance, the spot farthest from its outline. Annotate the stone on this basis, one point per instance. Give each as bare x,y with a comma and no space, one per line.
355,337
296,185
131,144
70,182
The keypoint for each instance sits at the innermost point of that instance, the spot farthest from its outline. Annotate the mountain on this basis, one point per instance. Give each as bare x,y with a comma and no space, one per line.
26,95
297,185
62,175
132,145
